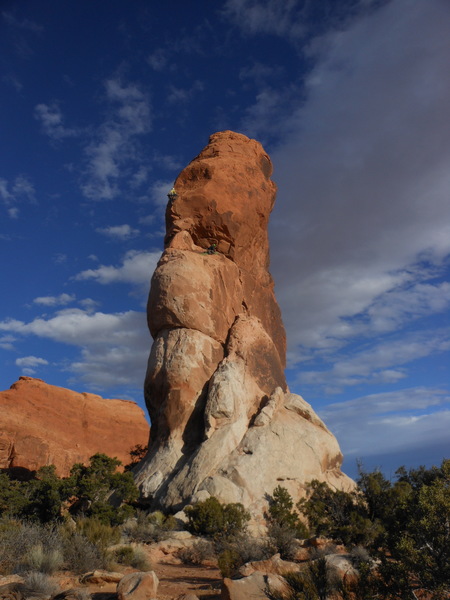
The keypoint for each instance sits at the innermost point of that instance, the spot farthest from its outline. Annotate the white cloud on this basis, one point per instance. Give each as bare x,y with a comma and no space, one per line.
114,348
116,141
7,342
136,268
62,299
30,361
119,232
391,422
52,121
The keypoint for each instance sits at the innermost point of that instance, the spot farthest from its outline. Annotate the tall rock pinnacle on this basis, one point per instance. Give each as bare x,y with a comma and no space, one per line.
223,422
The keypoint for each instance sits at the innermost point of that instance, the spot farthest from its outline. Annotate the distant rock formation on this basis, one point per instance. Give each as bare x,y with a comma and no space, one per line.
43,424
223,420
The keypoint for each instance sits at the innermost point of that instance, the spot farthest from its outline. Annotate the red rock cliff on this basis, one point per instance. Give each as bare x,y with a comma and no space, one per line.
42,424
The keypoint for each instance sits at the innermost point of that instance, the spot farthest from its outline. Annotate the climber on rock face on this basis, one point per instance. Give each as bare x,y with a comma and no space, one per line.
212,249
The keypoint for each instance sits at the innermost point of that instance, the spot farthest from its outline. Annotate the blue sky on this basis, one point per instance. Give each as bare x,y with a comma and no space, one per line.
103,103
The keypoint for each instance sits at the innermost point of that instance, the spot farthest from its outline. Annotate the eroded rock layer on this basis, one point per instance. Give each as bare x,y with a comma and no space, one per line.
42,424
223,420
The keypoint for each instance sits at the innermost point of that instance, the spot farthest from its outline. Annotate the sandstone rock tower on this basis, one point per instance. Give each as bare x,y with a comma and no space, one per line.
223,421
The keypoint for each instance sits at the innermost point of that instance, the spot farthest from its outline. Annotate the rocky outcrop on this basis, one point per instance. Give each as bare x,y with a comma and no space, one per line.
223,420
43,424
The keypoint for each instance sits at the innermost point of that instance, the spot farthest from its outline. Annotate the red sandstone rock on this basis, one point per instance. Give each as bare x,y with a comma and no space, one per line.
223,420
225,195
43,424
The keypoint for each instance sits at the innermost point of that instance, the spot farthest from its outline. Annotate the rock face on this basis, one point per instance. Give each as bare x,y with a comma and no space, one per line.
223,420
42,424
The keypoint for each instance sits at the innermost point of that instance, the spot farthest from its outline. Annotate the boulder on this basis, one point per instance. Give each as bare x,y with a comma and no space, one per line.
252,587
274,565
99,577
224,422
43,424
142,585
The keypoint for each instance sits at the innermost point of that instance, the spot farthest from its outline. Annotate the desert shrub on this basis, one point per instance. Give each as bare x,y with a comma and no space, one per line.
315,583
97,532
234,551
211,518
315,553
299,587
148,528
39,559
282,539
359,555
21,542
81,555
38,585
243,548
134,557
229,563
196,554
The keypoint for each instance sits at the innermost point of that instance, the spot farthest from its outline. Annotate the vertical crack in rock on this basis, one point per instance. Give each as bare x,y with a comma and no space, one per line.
215,374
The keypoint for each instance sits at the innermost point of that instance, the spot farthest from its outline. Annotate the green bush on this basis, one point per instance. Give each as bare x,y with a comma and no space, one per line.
134,557
211,518
282,513
229,562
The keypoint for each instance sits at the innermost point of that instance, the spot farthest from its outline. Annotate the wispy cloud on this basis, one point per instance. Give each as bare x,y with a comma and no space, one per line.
119,232
183,95
115,144
20,31
60,300
391,422
52,121
15,192
384,362
7,342
158,59
25,24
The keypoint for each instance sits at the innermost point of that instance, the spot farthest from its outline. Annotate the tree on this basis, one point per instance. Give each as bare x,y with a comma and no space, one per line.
420,550
12,497
46,495
95,484
339,515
